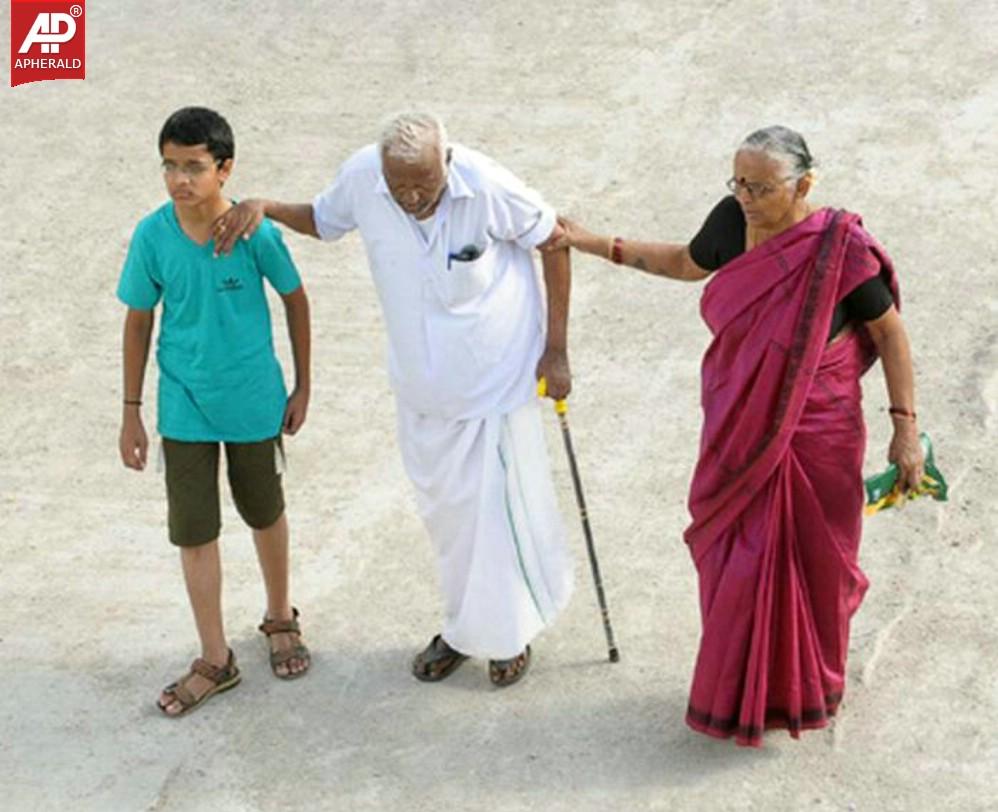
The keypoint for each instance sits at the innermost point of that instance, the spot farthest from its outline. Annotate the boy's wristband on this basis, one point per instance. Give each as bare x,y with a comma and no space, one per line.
132,402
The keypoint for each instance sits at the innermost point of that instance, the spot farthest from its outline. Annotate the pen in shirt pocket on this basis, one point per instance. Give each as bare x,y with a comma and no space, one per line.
469,253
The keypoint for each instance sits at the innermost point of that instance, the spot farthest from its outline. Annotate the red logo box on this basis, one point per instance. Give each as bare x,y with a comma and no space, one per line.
47,41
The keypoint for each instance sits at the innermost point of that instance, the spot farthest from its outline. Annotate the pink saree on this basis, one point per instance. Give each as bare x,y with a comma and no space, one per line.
777,494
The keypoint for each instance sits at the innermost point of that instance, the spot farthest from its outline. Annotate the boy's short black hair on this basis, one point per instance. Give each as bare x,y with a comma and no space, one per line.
190,126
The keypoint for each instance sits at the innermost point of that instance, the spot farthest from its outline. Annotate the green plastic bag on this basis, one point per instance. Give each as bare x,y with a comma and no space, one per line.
882,490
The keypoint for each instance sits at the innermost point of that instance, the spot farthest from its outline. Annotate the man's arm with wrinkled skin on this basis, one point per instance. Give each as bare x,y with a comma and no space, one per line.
553,365
244,218
133,443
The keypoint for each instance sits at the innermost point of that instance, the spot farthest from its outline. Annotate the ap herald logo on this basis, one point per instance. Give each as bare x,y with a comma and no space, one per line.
47,41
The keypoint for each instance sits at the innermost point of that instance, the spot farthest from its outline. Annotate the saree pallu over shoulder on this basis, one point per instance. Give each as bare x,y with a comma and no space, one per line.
776,497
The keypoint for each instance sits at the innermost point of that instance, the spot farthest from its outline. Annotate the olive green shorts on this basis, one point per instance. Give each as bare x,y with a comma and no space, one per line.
192,487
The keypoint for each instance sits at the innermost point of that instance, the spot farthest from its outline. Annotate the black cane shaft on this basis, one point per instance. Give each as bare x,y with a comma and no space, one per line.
588,533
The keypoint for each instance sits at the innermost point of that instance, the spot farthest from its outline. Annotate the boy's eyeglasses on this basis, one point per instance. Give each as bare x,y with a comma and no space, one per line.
192,170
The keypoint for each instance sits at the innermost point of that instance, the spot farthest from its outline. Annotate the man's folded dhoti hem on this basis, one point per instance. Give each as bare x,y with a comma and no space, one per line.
485,493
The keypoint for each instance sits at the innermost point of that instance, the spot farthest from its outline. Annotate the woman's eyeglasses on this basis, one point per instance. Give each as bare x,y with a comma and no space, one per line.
755,190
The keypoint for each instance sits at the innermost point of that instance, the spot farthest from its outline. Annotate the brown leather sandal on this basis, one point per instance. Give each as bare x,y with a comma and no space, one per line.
437,661
299,651
504,673
223,678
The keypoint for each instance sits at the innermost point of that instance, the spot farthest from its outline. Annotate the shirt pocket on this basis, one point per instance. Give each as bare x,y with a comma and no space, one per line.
462,281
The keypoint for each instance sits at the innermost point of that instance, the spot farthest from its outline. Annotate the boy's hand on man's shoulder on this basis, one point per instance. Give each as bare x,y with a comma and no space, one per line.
295,411
242,220
133,443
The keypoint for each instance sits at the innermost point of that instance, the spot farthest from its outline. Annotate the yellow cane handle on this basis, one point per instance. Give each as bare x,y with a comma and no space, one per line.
560,406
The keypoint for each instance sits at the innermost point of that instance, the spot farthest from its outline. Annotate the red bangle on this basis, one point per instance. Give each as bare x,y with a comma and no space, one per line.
617,252
902,412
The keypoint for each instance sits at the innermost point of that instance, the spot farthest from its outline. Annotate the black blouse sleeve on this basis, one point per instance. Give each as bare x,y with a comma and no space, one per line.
721,238
868,301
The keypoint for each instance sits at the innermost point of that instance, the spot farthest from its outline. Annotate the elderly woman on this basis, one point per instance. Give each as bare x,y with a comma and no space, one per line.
801,301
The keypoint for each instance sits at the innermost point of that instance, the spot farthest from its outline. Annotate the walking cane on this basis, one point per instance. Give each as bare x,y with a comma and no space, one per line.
561,409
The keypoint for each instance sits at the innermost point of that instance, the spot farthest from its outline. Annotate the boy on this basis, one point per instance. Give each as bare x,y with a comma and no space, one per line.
220,382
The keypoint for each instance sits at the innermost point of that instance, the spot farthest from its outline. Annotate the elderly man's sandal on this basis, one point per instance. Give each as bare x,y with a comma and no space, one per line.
437,661
504,673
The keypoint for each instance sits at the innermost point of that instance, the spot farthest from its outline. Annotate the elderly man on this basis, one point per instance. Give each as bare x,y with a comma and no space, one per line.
449,235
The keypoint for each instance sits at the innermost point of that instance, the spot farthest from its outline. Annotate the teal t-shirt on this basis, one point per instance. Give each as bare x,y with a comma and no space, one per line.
219,378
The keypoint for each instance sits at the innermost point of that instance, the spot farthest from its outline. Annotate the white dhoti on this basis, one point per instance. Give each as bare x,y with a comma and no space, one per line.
485,493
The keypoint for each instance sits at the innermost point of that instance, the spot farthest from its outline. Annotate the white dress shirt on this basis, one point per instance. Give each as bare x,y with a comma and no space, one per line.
464,336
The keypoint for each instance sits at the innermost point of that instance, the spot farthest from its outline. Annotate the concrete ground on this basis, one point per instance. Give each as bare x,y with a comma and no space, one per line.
624,114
